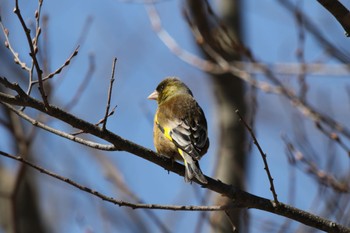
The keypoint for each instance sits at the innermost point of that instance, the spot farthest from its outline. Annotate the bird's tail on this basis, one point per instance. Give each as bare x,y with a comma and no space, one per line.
192,169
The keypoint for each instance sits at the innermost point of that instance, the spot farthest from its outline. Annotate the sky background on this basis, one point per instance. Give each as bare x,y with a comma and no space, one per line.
122,29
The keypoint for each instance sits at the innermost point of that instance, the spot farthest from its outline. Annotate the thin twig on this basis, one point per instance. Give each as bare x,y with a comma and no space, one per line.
334,137
60,133
338,53
115,176
297,157
83,85
8,45
65,64
109,95
102,121
301,57
111,199
33,51
175,48
263,155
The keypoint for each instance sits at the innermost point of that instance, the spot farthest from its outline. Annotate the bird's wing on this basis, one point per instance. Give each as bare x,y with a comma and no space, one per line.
191,137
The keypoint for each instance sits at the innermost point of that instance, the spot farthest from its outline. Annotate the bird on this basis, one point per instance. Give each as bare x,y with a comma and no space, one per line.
180,127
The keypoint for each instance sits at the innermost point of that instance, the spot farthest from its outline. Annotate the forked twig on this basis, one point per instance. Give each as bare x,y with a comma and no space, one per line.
33,50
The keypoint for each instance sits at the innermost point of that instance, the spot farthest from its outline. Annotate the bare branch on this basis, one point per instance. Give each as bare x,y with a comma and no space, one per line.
111,199
339,54
173,46
83,84
339,11
60,133
322,176
263,155
8,45
66,63
33,50
109,96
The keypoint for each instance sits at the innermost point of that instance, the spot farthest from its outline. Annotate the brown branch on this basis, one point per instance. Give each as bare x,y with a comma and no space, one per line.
239,198
115,176
334,137
71,137
109,95
111,199
339,11
33,51
65,64
310,167
83,85
263,155
8,45
339,54
301,57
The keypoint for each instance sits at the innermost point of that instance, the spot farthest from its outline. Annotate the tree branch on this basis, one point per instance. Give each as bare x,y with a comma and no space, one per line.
109,95
111,199
263,155
33,49
340,12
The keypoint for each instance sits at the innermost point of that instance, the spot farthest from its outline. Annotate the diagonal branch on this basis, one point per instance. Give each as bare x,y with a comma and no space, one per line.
71,137
8,45
111,199
263,155
340,12
65,64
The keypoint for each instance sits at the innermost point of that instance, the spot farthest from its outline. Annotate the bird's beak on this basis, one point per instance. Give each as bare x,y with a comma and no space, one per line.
153,96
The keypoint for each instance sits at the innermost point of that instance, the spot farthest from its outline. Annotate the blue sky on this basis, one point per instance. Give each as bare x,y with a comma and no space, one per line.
123,30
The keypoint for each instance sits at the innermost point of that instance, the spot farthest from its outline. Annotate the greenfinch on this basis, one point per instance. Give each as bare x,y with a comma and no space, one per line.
180,128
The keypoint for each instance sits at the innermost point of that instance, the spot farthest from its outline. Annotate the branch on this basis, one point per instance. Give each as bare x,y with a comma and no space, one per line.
60,133
83,85
33,49
239,198
8,45
109,96
340,12
263,155
111,199
339,54
65,64
311,168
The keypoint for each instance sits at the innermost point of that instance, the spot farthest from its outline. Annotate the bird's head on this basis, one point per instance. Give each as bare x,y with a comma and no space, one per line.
169,87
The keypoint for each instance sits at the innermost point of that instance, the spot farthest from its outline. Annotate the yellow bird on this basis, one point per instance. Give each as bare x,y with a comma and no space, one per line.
180,128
